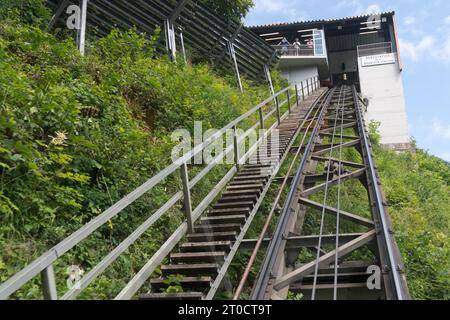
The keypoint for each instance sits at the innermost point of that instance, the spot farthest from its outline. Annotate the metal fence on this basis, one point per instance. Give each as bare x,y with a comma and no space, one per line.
183,22
374,49
267,115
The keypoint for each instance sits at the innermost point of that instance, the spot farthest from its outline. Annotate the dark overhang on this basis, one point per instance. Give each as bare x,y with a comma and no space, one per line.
203,31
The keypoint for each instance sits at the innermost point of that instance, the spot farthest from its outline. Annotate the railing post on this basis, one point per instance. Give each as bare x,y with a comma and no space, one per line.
278,109
236,148
307,86
289,100
49,283
296,93
303,92
261,119
81,36
187,197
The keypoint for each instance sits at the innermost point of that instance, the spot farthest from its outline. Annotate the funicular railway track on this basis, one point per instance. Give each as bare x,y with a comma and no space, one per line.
328,275
203,260
199,253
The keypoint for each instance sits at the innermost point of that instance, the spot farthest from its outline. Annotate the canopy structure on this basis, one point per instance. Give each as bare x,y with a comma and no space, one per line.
223,42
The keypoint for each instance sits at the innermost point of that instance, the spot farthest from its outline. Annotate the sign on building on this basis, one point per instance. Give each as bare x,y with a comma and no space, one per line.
375,60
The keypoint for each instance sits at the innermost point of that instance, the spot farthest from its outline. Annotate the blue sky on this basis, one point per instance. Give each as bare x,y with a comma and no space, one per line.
424,33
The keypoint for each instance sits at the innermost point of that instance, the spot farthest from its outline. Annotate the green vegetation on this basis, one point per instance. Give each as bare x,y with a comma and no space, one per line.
417,187
79,133
236,9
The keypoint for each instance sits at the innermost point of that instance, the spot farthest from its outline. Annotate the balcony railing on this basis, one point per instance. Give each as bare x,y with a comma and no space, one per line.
294,51
316,47
375,49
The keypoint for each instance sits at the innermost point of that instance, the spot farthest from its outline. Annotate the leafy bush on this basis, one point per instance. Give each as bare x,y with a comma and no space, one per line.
79,133
26,11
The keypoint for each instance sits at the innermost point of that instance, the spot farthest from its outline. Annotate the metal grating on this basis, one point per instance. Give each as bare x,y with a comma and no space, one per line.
203,31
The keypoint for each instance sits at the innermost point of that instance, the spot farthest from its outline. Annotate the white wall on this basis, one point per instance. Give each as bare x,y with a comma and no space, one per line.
301,73
336,60
383,86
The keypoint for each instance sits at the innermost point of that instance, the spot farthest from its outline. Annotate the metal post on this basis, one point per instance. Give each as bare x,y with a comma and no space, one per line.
236,147
303,92
170,39
296,94
49,283
289,100
183,49
187,197
235,65
269,79
174,43
261,119
307,86
82,33
277,103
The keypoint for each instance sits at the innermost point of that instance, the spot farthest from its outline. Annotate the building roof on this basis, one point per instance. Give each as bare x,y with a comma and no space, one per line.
321,21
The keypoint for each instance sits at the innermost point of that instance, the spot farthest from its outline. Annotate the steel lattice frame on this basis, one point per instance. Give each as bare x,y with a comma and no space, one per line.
201,29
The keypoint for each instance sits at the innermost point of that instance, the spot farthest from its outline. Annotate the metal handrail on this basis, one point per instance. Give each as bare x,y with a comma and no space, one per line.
293,51
44,264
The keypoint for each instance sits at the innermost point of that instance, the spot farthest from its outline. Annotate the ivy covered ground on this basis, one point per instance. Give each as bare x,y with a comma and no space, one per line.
78,133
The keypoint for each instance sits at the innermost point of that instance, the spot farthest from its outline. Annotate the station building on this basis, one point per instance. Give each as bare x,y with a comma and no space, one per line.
361,50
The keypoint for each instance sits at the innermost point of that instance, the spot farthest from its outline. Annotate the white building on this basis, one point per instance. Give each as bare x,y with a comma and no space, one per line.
359,50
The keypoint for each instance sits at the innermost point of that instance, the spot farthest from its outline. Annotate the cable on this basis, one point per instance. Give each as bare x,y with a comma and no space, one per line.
336,257
322,220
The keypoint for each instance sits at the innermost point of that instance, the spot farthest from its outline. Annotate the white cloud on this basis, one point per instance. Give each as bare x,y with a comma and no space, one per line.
373,9
271,6
441,130
442,53
286,8
447,20
409,21
416,50
445,156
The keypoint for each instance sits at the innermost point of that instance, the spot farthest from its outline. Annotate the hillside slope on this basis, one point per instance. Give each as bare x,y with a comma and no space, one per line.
78,133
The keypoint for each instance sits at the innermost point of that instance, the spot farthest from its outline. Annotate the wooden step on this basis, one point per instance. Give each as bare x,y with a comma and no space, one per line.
239,218
226,227
257,172
255,177
254,166
230,199
241,204
198,257
212,236
256,192
229,212
206,246
172,296
203,269
259,186
189,283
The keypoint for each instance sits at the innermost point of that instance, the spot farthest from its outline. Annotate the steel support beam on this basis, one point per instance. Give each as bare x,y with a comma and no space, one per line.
308,268
344,177
344,215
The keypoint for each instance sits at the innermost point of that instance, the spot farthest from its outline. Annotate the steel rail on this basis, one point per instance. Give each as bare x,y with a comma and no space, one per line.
338,213
279,236
276,201
394,264
325,198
